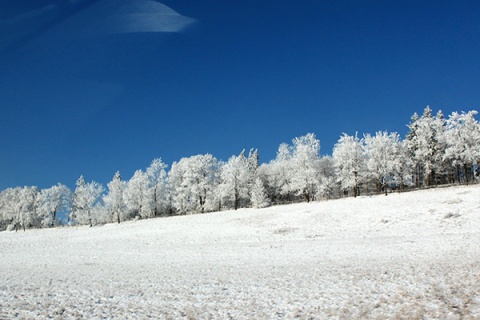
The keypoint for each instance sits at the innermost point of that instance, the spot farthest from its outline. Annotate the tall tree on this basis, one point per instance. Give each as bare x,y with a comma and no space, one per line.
381,156
114,200
412,147
19,205
463,142
191,180
84,198
304,173
157,177
137,198
349,162
52,201
428,145
234,180
259,195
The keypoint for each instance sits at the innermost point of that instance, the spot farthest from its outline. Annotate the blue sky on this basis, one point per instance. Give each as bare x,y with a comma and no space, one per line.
95,86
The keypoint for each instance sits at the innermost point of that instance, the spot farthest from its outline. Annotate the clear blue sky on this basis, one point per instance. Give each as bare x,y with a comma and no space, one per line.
88,89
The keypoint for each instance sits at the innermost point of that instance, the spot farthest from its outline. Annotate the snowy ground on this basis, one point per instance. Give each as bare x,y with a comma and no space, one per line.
403,256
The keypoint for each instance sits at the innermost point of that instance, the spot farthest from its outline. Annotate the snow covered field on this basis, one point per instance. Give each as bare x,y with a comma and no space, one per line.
402,256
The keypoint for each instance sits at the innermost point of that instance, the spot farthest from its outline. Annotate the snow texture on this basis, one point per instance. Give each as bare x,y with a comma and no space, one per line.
401,256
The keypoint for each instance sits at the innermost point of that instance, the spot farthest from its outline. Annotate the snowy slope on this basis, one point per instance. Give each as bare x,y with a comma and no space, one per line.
402,256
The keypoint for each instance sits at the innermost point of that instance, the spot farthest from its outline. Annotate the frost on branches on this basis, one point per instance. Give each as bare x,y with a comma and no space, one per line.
436,151
259,195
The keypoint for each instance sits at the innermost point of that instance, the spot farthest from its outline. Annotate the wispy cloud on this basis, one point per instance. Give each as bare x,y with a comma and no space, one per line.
27,15
131,16
86,18
18,26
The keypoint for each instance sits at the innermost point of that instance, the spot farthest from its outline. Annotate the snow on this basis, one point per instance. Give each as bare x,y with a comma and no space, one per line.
405,255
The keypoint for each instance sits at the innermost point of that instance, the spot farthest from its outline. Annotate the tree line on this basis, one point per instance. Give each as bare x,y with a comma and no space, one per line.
436,150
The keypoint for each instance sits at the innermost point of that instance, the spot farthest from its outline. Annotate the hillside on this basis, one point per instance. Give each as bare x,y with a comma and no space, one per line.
398,256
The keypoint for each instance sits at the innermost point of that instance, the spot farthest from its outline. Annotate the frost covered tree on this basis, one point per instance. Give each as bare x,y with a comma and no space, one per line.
296,170
276,174
3,212
52,201
114,200
426,145
381,157
234,180
349,162
191,181
304,166
463,142
8,207
440,166
404,171
19,207
84,198
259,196
157,177
253,161
327,185
412,147
137,196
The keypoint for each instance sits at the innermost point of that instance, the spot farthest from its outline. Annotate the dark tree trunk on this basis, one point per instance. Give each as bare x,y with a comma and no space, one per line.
465,173
54,217
236,199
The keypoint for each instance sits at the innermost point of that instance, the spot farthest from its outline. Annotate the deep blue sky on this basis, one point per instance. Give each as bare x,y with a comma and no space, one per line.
76,98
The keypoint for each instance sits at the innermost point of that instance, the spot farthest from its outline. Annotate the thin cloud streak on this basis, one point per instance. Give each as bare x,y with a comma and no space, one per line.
128,16
90,18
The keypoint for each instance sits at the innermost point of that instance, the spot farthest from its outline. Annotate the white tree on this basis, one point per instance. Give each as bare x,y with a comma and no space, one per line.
8,201
327,185
259,195
114,200
84,198
426,144
234,180
349,162
4,217
304,166
276,174
52,201
381,152
404,172
463,141
439,164
157,177
19,205
411,145
296,171
191,180
137,196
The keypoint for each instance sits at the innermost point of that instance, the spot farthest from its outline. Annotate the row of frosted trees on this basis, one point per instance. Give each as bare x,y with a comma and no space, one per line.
435,151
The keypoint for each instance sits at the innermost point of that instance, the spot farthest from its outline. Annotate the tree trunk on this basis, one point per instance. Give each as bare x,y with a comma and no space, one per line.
236,200
155,201
202,203
355,188
465,173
